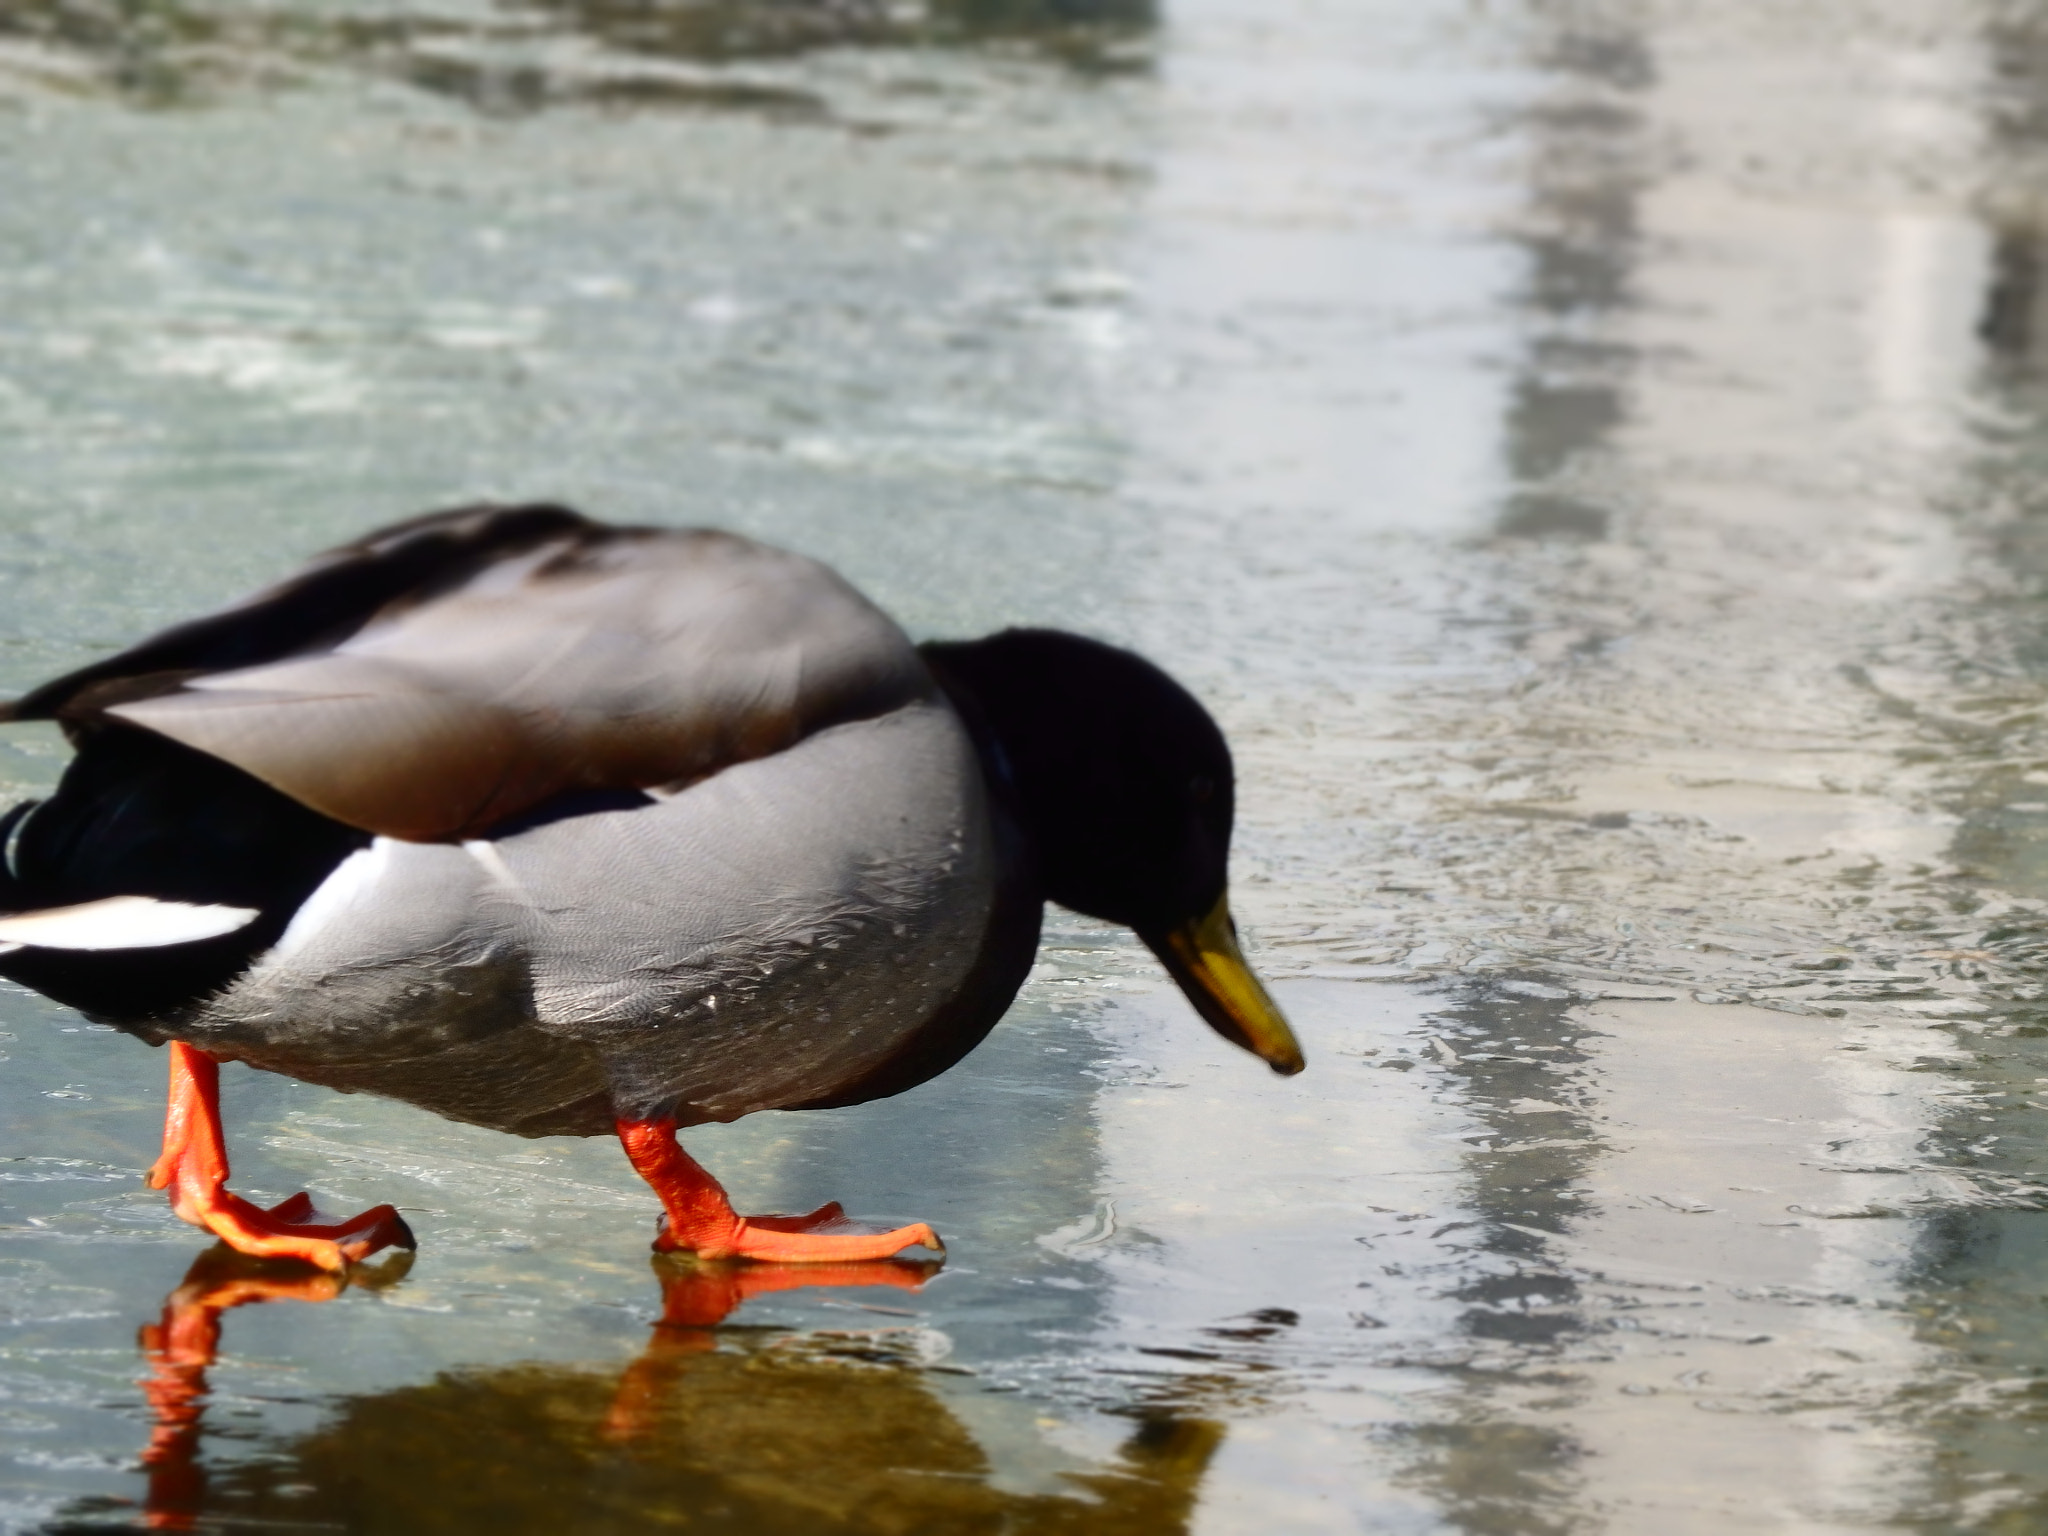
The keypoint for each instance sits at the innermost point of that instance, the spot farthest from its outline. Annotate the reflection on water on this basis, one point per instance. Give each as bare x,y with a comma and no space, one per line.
730,29
833,1435
1584,177
182,1343
516,56
826,1435
1519,1059
711,1428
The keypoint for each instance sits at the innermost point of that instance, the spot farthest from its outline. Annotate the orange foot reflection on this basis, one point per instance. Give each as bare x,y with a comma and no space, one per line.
697,1295
182,1344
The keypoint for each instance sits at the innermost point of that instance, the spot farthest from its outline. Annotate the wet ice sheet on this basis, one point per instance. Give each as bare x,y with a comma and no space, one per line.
1586,455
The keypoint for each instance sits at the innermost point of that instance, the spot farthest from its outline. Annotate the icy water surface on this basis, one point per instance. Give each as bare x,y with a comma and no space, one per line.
1589,455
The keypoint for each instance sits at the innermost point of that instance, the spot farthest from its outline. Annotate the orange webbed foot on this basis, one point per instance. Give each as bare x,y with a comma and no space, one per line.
194,1168
698,1218
295,1229
823,1237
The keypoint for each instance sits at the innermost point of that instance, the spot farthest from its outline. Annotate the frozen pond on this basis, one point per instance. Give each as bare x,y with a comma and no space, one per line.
1590,456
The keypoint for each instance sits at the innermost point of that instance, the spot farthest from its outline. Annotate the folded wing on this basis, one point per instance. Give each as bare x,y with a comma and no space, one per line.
441,677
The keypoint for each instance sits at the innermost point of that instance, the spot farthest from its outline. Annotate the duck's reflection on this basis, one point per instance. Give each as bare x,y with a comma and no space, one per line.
182,1343
696,1298
709,1428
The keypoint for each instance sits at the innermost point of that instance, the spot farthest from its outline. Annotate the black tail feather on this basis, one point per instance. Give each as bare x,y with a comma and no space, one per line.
136,814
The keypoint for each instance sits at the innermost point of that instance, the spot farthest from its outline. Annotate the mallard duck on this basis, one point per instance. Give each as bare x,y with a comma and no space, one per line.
564,828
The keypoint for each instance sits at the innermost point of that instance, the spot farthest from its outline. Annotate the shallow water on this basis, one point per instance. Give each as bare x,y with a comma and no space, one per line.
1587,454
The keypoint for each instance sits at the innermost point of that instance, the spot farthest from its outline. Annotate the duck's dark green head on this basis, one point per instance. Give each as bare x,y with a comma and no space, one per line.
1124,787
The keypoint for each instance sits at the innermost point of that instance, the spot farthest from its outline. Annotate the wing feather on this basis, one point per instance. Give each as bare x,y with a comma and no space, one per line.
568,656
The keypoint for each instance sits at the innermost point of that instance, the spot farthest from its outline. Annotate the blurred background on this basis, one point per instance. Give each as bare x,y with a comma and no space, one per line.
1589,455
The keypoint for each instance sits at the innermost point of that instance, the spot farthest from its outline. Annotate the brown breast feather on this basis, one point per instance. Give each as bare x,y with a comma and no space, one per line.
598,659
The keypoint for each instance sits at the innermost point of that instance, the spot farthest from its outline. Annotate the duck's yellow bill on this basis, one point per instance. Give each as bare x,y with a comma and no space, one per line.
1204,958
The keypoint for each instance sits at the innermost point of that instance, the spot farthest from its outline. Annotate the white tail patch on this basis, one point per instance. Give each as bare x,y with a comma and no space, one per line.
121,922
348,883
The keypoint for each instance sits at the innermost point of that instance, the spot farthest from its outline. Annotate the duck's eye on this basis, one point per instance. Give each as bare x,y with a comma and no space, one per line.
1201,789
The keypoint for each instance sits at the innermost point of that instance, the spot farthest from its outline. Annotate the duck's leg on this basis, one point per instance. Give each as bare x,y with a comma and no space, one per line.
701,1220
194,1168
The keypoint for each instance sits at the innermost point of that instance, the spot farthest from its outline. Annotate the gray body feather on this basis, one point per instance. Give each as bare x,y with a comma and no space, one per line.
756,940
